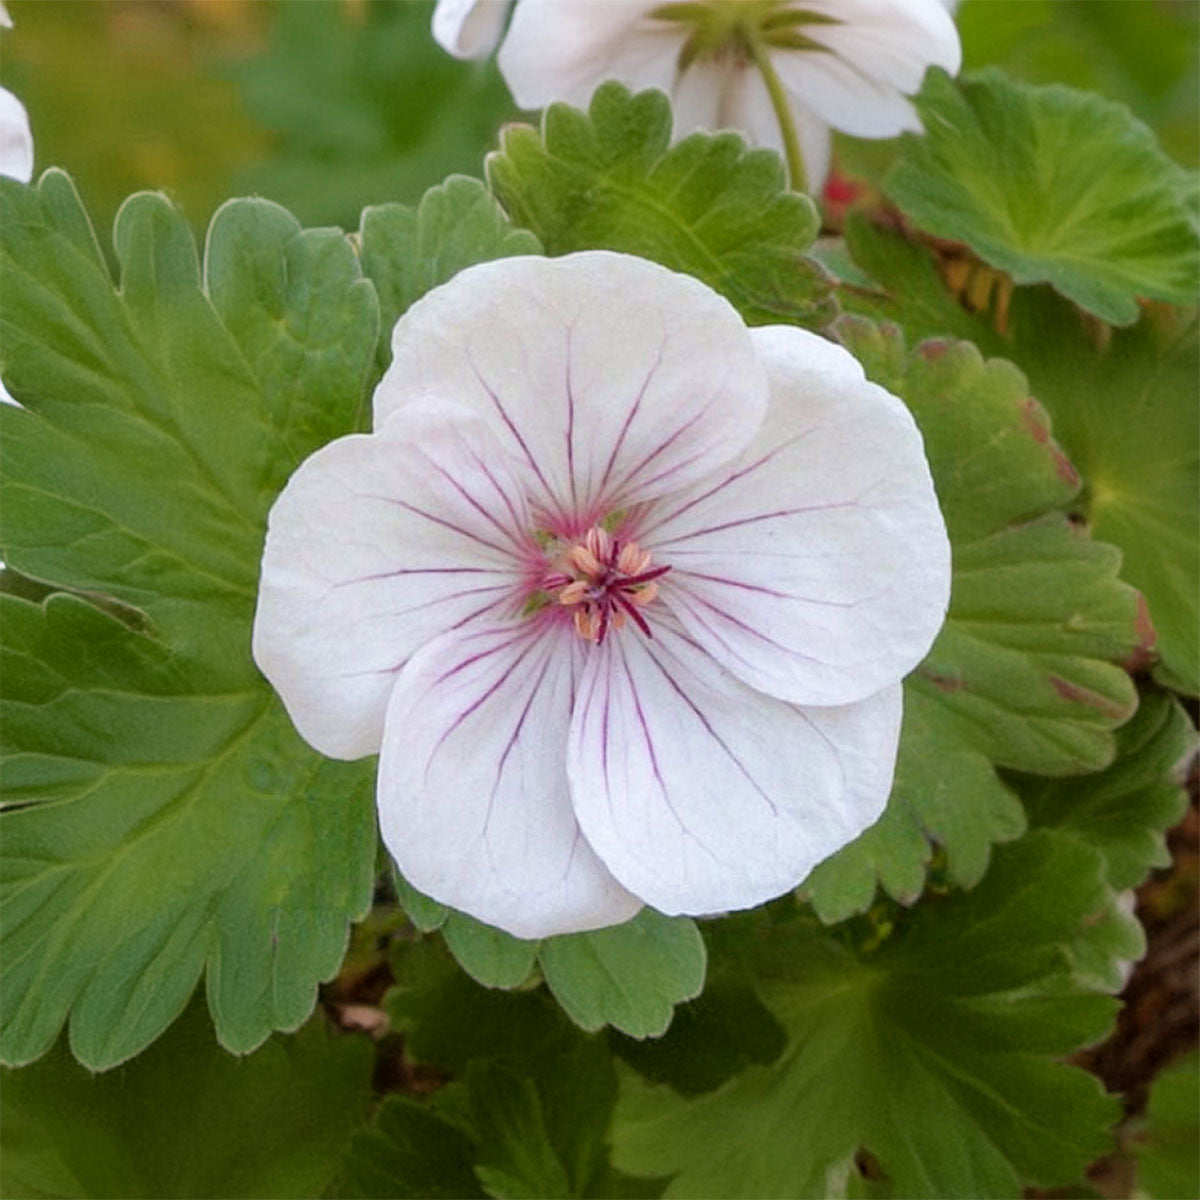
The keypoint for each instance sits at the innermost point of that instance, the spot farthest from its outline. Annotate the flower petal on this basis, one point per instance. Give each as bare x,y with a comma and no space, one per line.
881,50
473,798
816,568
558,50
16,140
609,377
748,107
701,795
378,544
469,28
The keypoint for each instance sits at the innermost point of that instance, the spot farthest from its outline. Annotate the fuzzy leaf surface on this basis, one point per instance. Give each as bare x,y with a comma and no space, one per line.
708,206
169,819
1052,185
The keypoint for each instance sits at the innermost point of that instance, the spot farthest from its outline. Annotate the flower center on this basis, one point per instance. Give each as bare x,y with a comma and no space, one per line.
604,582
732,30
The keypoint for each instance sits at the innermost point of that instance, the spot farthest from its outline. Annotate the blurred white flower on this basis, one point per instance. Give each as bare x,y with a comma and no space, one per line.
620,591
16,139
783,72
469,28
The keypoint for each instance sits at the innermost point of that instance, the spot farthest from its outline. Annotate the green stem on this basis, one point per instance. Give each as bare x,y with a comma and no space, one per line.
783,111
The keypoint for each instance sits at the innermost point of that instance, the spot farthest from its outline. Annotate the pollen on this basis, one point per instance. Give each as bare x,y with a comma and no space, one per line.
606,582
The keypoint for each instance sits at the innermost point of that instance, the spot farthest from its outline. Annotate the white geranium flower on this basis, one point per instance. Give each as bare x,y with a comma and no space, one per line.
16,138
783,72
620,590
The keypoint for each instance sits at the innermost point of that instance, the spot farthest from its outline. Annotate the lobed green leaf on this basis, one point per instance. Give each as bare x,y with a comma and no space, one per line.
1124,407
186,1119
1051,185
1024,673
167,818
935,1054
407,251
609,179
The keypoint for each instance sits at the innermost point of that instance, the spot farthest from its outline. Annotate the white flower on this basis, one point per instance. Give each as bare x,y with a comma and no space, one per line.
620,590
783,72
469,28
16,139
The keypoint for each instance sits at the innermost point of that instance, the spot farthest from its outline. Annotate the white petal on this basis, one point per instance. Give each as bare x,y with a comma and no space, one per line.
816,568
749,108
16,140
610,377
473,797
701,795
880,51
469,28
378,544
563,49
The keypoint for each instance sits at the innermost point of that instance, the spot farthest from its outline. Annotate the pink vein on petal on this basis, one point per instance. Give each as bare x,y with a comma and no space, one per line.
748,469
516,433
630,416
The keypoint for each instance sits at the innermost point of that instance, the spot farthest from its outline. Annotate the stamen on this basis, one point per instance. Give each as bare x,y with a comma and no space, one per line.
606,583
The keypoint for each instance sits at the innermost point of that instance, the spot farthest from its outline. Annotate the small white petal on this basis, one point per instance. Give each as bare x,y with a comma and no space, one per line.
563,49
816,568
610,378
473,798
749,109
378,544
701,795
16,140
469,28
879,53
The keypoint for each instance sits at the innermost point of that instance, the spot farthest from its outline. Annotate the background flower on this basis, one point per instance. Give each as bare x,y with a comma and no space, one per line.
16,138
783,72
621,591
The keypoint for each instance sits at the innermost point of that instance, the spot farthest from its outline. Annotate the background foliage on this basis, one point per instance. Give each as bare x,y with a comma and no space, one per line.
903,1024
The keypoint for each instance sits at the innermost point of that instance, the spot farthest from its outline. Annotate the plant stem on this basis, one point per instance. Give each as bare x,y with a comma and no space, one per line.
783,112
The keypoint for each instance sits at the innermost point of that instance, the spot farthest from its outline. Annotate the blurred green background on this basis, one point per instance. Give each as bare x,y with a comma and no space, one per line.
330,105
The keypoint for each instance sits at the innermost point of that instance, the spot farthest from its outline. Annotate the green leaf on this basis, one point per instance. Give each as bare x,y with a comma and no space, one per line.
186,1119
170,819
1127,414
1126,810
1124,408
1051,185
609,179
489,955
406,251
409,1153
1142,55
936,1054
1168,1152
366,108
725,1029
538,1093
1022,674
517,1160
425,914
629,976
